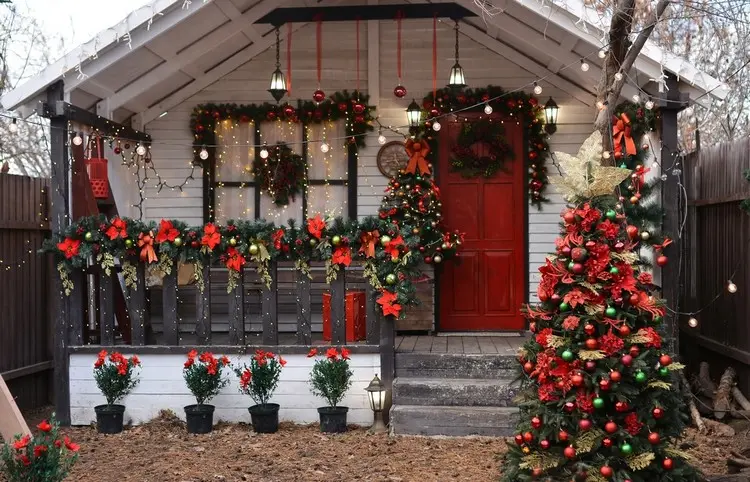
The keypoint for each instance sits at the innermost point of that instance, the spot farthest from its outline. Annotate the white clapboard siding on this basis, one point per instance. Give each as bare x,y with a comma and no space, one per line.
162,387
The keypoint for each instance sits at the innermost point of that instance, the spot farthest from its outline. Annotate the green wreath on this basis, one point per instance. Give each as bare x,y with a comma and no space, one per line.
283,174
488,133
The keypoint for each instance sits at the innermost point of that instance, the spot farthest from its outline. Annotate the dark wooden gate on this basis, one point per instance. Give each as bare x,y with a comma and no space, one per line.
25,327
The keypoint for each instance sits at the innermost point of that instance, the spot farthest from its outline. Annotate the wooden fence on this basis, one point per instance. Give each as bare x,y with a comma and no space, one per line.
716,250
25,328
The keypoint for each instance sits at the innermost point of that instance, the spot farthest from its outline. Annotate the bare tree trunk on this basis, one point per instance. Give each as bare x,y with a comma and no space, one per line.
722,403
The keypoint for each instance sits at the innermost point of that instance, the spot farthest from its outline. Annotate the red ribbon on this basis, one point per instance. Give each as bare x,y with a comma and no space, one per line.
622,130
289,59
367,241
417,151
146,243
434,58
319,39
399,16
357,55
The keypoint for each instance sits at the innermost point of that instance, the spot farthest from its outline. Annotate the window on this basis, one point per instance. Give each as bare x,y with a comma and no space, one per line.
331,175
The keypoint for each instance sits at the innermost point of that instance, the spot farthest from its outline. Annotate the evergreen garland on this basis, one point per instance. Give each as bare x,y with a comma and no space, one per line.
483,133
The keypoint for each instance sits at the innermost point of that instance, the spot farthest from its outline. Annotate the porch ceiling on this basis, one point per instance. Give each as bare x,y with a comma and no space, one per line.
174,55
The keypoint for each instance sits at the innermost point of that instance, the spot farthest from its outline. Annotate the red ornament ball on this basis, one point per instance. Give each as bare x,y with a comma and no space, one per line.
632,231
271,115
610,427
607,442
289,110
399,91
626,360
427,259
117,150
434,112
584,424
657,413
665,360
622,407
519,439
635,351
528,437
563,436
606,472
615,376
578,268
359,108
569,217
528,367
589,329
634,299
577,380
319,96
556,298
533,155
536,472
544,444
667,463
536,422
662,260
591,344
605,384
653,438
343,106
569,452
569,406
624,331
590,365
579,254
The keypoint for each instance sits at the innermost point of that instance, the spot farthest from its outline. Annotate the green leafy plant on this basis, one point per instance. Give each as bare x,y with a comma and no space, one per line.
203,375
115,375
260,379
331,376
45,458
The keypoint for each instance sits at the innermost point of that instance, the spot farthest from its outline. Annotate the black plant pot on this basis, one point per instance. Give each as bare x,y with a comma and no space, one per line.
333,419
200,418
265,418
109,418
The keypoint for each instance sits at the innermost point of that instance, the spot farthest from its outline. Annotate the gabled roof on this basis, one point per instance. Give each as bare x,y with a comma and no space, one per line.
162,54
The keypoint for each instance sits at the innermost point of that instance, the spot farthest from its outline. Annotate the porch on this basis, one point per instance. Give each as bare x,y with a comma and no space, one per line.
482,343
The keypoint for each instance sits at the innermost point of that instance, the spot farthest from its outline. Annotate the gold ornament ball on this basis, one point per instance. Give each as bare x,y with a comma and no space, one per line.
336,240
178,241
400,193
390,279
444,246
232,242
634,200
253,249
128,243
384,240
415,230
89,236
437,259
645,235
313,242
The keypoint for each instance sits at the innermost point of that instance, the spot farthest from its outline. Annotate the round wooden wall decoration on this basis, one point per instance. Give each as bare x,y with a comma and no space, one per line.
392,157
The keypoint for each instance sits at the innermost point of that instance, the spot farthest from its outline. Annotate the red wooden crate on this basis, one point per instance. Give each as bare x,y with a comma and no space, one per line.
98,177
356,325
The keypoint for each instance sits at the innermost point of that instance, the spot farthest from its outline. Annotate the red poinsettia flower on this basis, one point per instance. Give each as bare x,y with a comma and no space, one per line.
315,226
575,297
192,353
22,443
189,362
167,232
73,447
69,247
585,401
211,236
590,216
609,229
134,360
312,352
610,343
332,354
342,255
117,229
235,260
388,303
392,247
645,278
649,304
44,426
571,322
277,238
345,353
546,392
654,337
543,336
632,424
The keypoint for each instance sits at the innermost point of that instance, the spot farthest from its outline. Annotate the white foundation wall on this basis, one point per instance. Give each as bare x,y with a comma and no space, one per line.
162,387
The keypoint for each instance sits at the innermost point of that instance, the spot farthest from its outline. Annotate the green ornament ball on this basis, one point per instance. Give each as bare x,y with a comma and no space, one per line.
89,236
614,270
610,311
658,319
128,243
564,306
611,215
598,403
640,377
626,449
177,241
663,372
623,166
390,279
567,355
336,240
570,265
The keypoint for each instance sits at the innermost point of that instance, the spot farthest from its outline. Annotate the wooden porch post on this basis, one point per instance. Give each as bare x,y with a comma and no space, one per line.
387,359
671,197
59,219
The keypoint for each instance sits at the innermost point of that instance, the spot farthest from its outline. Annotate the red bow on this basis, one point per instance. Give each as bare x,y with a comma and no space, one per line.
367,241
146,243
622,130
417,151
659,247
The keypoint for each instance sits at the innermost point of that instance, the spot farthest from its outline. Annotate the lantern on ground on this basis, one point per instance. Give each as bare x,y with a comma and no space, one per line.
376,392
550,116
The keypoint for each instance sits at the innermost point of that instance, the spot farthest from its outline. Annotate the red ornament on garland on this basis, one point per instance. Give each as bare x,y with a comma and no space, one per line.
544,444
622,407
271,115
528,367
632,231
624,331
569,217
359,108
605,384
590,365
562,436
610,427
569,406
577,380
626,360
289,111
589,329
607,442
654,438
117,150
399,91
665,360
667,463
662,260
606,471
657,413
319,96
519,439
584,424
528,437
536,422
592,344
615,376
635,351
569,452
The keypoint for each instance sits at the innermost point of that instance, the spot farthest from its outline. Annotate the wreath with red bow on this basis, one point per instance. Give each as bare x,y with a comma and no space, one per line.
283,174
481,149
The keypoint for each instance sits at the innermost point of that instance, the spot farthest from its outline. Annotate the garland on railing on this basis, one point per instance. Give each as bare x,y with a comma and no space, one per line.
387,257
513,105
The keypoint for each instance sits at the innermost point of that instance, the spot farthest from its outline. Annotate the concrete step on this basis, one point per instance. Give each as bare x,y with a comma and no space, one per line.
454,392
449,365
453,421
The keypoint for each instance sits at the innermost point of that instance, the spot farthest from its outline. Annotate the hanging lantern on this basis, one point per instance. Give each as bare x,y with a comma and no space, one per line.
550,116
457,79
413,114
278,80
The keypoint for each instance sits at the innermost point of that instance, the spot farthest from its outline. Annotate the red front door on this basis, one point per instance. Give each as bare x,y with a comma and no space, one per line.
484,288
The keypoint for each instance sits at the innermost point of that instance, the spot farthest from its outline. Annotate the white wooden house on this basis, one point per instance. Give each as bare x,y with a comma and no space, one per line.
152,70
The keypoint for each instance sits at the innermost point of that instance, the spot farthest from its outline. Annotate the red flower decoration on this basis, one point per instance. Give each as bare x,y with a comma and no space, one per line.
282,362
22,443
392,247
342,255
39,450
388,303
543,336
632,424
315,226
345,353
312,352
167,232
645,278
610,343
655,338
73,447
44,426
235,260
118,229
609,229
571,322
277,238
211,236
69,247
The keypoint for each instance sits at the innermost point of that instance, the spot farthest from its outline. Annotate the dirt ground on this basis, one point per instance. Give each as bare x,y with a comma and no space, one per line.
161,451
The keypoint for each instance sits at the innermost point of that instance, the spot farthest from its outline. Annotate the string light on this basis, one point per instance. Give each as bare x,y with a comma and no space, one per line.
649,104
618,76
731,287
602,53
693,322
141,150
636,98
13,127
381,138
78,140
264,152
436,125
204,153
690,111
487,109
585,65
537,89
606,154
324,147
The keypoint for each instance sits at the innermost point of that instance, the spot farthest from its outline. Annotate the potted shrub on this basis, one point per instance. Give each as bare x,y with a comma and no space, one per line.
330,379
259,380
203,376
45,458
115,376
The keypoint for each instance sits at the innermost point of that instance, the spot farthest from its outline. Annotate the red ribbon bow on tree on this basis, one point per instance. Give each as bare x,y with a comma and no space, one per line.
622,130
367,241
146,243
659,247
417,151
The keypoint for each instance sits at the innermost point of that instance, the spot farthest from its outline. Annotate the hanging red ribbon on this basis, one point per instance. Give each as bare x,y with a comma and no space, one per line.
434,58
289,59
399,16
621,130
357,56
319,35
417,151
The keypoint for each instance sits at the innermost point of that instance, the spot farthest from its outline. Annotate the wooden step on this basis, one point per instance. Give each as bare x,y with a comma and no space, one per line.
453,421
476,392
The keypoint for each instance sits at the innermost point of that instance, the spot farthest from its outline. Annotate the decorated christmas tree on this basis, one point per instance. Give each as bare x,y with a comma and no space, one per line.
598,400
412,203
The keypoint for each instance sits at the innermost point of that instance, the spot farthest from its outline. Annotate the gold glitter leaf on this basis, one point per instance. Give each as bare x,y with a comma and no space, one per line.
640,461
659,384
590,354
677,453
674,367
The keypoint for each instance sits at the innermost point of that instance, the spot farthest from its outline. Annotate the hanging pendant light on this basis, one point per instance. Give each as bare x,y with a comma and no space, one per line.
457,79
414,114
278,80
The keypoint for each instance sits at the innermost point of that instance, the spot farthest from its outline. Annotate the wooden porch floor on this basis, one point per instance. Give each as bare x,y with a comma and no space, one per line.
495,345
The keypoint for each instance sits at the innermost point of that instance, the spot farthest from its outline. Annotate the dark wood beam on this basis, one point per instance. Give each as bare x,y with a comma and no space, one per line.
78,115
408,11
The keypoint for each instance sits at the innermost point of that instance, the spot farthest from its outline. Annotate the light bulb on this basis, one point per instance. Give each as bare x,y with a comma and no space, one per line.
324,147
264,153
141,150
605,154
537,89
618,76
381,139
655,165
203,154
77,140
584,65
636,98
731,287
436,126
599,105
689,112
693,322
487,109
13,127
649,104
602,53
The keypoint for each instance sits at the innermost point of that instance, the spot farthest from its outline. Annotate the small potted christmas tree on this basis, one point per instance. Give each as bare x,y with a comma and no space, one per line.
115,376
203,376
330,378
259,381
